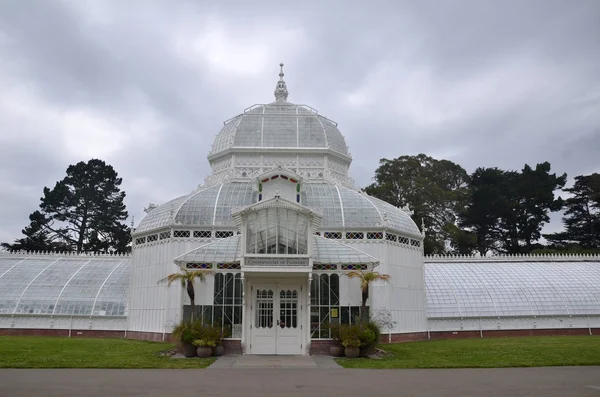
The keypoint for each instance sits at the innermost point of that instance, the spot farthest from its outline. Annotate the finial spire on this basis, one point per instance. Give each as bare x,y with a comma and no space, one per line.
281,92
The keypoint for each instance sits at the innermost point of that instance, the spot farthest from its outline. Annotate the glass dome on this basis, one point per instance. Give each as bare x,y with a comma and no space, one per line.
279,125
280,135
342,208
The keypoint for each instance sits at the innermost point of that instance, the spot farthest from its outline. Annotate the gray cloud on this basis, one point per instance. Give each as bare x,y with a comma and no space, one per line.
145,85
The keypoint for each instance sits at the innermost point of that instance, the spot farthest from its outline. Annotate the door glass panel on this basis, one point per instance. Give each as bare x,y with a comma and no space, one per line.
264,309
288,308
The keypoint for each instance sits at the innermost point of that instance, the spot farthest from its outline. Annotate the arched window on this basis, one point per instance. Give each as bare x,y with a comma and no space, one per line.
277,231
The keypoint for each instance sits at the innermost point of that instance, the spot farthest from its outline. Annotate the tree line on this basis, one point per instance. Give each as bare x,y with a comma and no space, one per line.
491,210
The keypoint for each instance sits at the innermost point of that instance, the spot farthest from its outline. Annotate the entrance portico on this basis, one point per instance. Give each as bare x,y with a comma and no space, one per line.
276,317
275,256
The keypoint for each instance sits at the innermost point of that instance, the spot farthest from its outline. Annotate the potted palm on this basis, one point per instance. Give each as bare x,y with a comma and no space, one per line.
186,331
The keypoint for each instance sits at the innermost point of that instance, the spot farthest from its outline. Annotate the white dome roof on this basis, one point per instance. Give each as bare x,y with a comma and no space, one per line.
343,209
280,124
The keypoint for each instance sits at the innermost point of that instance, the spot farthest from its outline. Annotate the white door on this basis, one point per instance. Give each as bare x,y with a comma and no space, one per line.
277,319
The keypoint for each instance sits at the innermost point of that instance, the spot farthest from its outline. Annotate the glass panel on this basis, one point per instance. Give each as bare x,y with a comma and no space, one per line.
226,250
277,231
288,308
264,309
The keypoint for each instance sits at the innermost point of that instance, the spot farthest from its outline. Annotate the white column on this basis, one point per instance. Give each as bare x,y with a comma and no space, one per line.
308,311
243,311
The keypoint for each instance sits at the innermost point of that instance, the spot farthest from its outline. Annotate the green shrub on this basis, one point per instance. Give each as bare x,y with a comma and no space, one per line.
187,330
204,343
350,335
336,330
376,329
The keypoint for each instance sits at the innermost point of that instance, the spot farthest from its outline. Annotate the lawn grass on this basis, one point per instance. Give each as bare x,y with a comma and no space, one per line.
486,353
44,352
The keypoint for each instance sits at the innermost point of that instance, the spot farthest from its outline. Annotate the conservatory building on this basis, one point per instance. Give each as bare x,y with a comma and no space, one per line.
280,224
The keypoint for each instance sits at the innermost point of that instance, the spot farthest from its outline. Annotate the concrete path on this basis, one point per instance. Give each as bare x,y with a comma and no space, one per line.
281,362
271,382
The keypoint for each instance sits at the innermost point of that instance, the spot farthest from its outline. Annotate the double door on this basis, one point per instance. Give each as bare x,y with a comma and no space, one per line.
277,313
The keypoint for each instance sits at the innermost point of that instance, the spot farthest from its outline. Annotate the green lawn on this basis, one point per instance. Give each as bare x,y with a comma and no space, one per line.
486,353
42,352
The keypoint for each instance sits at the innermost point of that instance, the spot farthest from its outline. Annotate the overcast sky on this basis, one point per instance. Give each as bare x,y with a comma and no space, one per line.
145,85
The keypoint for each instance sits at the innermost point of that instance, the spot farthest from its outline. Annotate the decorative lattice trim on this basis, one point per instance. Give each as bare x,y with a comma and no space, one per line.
334,235
140,240
228,266
223,234
198,266
415,243
403,240
355,235
181,234
391,237
354,267
325,266
202,234
374,235
152,237
165,235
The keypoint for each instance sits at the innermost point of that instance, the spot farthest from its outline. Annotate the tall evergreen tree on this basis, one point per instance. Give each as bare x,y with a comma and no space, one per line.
83,212
434,190
486,205
507,210
582,215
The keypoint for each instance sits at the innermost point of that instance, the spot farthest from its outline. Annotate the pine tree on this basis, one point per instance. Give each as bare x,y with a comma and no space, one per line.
83,212
582,214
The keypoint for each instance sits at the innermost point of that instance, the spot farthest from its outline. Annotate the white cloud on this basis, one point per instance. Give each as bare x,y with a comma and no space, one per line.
75,132
235,51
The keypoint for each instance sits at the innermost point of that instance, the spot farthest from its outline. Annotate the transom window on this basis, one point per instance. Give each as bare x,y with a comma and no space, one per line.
277,231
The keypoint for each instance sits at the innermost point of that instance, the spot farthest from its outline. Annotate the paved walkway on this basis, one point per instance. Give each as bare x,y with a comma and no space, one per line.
280,362
272,382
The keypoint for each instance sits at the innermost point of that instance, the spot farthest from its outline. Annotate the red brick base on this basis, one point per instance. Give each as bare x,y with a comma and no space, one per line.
231,346
320,346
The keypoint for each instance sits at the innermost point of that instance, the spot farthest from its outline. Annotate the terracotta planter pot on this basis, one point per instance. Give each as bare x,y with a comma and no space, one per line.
203,351
218,350
352,352
336,350
188,349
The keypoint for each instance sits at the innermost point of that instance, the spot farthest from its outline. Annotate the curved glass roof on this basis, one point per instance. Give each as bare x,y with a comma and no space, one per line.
328,251
229,250
497,288
64,285
280,124
342,208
